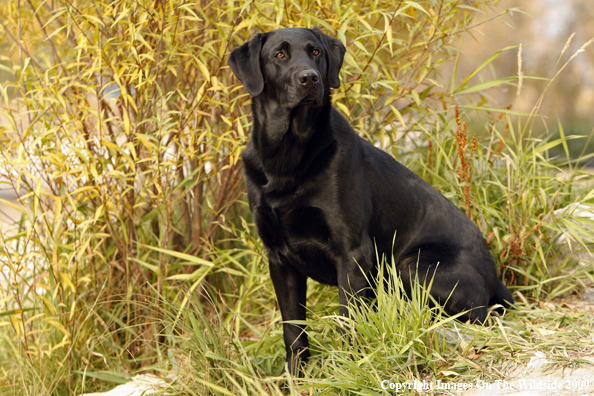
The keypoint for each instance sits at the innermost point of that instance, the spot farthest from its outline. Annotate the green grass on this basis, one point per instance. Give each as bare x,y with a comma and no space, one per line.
394,338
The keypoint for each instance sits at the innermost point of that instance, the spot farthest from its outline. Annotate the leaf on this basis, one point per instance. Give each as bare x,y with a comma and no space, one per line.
416,5
389,34
203,70
15,311
563,139
490,109
120,17
481,67
107,376
49,305
67,280
543,148
199,274
416,97
183,256
152,267
485,85
398,115
13,205
58,326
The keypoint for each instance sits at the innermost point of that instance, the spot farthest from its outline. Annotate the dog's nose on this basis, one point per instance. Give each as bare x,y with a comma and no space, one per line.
308,78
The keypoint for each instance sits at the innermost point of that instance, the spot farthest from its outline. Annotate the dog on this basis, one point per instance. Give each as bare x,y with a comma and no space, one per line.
323,199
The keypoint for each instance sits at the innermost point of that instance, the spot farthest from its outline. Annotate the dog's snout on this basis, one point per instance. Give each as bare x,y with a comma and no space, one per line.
308,78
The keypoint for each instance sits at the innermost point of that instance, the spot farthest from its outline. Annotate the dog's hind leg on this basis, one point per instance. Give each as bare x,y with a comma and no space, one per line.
456,287
353,273
501,295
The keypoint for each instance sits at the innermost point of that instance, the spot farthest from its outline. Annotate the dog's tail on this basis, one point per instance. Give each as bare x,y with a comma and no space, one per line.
501,295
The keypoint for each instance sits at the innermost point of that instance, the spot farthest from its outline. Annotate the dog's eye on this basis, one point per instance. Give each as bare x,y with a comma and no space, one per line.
280,55
316,52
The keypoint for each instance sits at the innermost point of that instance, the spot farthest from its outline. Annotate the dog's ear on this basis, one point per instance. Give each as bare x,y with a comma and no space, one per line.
335,51
245,64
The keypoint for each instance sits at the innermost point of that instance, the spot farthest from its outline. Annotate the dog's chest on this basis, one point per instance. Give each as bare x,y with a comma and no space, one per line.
300,236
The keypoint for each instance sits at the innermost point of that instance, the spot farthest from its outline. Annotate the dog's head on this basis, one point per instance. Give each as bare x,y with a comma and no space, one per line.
294,66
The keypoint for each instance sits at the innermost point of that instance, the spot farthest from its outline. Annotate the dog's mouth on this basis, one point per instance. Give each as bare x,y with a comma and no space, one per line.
310,97
311,100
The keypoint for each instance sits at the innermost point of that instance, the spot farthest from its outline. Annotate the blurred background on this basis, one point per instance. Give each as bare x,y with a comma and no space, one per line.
542,28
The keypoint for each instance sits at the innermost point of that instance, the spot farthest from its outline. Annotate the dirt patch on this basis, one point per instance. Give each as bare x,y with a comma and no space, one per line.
540,378
580,302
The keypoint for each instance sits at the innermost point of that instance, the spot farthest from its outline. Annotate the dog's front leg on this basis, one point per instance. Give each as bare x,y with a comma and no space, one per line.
291,288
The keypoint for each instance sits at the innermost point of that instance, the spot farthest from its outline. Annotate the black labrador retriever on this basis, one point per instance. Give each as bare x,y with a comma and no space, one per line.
323,198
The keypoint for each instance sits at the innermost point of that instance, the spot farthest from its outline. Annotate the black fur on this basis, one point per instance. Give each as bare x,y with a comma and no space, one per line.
322,197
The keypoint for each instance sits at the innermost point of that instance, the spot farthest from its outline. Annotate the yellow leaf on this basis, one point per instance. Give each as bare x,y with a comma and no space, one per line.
65,341
16,323
416,97
49,305
12,204
343,108
226,120
204,70
398,115
36,201
67,279
57,210
126,122
389,34
240,130
98,212
57,325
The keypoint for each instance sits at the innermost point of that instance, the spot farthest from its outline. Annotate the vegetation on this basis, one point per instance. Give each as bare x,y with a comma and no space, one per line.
121,129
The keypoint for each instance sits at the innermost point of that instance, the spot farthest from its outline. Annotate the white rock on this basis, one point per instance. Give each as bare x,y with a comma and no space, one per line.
139,385
538,359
